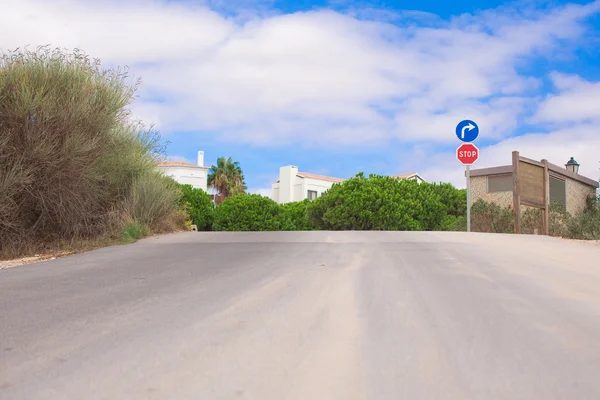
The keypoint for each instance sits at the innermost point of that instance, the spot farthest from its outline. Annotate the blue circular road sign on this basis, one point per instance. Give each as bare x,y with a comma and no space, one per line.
467,130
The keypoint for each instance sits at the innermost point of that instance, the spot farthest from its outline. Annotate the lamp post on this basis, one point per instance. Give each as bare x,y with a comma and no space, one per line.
572,165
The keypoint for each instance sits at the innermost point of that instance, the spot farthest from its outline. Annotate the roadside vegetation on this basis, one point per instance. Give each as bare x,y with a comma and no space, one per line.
77,172
360,203
584,225
74,166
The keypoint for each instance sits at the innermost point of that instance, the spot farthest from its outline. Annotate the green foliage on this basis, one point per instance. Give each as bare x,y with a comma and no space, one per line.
491,218
72,163
153,199
378,203
294,216
199,205
133,231
227,177
247,212
455,203
585,225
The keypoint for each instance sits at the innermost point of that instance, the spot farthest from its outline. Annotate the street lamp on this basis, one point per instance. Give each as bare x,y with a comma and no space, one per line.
572,165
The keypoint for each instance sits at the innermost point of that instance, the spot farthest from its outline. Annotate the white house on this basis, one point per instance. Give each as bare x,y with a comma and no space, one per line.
297,186
186,173
413,176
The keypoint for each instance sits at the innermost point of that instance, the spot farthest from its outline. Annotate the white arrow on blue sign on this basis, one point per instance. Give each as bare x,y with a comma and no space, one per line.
467,130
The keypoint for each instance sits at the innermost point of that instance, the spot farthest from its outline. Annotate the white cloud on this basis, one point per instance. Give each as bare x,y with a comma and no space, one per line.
578,100
580,141
180,158
316,78
262,191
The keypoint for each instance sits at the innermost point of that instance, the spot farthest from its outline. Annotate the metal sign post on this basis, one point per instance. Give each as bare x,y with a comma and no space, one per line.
467,153
468,168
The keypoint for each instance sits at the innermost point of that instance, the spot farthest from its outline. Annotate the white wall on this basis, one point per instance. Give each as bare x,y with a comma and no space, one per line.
197,177
291,187
287,181
275,189
317,185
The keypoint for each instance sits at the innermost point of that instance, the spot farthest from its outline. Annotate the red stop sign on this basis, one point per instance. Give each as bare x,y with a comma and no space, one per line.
467,153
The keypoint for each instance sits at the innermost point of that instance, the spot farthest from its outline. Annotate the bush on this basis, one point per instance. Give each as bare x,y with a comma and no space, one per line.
199,205
455,207
153,200
491,218
72,163
247,212
378,203
294,216
584,225
133,231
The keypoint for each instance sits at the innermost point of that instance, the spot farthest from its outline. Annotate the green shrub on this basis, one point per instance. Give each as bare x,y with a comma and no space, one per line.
247,212
71,159
153,200
531,219
455,200
294,216
378,203
585,224
133,231
491,218
200,207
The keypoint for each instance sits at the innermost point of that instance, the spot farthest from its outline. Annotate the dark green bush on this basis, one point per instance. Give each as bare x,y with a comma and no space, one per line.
378,203
455,200
584,225
294,216
247,212
200,207
491,218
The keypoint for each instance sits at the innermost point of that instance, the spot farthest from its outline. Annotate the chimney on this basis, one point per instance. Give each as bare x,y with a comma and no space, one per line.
201,159
287,179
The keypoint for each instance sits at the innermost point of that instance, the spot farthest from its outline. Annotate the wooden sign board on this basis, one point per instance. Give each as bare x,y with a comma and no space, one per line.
530,188
531,181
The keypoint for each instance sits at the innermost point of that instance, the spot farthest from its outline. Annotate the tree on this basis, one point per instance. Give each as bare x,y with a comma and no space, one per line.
248,212
227,177
200,207
378,203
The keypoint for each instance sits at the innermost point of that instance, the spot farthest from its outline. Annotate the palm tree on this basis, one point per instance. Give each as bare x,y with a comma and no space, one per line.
227,177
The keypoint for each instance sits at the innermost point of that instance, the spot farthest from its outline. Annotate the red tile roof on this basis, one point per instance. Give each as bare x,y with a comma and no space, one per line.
320,177
411,174
177,164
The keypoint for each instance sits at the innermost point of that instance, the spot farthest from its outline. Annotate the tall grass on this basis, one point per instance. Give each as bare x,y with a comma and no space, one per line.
71,158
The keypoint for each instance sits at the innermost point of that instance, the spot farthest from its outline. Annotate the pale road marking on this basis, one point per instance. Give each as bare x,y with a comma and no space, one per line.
315,354
332,370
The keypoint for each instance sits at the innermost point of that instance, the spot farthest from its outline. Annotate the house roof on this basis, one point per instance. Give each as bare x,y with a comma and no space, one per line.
319,177
409,175
507,169
332,179
178,164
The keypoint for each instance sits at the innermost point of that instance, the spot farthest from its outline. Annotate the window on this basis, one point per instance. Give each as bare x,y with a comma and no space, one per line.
558,191
312,194
499,183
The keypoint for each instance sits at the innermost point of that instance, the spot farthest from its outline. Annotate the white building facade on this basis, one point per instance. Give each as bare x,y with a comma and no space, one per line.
297,186
186,173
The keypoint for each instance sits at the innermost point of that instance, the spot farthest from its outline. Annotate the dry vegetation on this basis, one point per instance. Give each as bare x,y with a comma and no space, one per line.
74,168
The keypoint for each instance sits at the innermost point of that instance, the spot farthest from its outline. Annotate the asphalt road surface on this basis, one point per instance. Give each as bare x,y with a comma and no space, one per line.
308,315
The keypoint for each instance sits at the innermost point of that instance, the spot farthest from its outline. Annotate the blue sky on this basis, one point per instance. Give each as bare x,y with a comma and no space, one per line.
339,87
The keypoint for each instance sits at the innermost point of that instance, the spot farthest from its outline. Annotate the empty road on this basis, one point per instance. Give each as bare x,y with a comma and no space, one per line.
306,315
